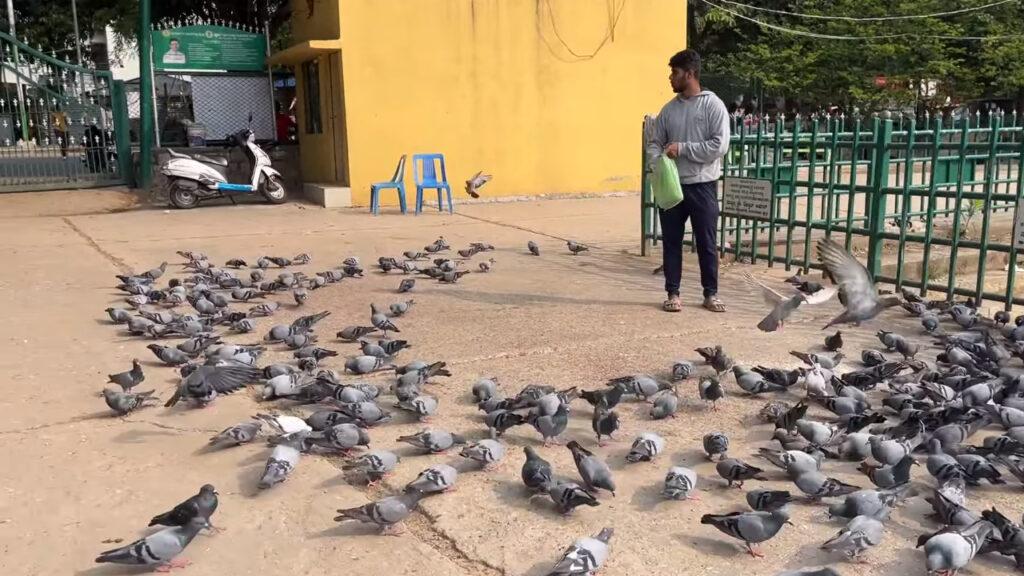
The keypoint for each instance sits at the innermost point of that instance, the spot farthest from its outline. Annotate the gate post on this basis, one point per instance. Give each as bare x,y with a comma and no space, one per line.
876,199
122,134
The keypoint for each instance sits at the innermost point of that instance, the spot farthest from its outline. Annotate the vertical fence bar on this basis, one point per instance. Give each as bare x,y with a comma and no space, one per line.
832,174
905,201
957,209
811,180
776,160
852,194
791,207
993,148
1011,274
758,165
876,202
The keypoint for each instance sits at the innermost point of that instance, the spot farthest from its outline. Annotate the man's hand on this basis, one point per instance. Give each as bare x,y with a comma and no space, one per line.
673,150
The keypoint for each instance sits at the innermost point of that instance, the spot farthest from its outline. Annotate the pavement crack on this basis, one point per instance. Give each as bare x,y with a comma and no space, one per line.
117,262
422,526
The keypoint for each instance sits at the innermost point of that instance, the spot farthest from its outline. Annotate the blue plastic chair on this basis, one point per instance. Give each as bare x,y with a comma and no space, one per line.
424,172
397,182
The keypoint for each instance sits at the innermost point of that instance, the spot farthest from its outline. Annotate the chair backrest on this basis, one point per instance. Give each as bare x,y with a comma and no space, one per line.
424,168
399,170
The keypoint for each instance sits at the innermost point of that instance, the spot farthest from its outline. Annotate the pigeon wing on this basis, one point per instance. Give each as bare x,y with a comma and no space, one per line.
851,275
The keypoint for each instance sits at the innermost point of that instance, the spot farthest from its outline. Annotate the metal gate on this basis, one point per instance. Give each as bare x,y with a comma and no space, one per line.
928,202
61,125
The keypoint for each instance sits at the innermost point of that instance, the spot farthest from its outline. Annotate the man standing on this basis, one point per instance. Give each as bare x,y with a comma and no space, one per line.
692,129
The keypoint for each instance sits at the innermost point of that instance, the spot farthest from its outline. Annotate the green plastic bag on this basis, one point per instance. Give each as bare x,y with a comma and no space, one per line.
668,192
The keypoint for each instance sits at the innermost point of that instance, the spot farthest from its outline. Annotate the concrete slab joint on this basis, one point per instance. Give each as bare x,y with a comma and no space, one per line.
328,195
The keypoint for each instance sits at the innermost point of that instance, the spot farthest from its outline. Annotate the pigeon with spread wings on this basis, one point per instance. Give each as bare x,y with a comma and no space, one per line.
783,306
855,283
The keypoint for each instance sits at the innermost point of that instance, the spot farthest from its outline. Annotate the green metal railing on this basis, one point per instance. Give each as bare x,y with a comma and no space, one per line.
928,201
61,125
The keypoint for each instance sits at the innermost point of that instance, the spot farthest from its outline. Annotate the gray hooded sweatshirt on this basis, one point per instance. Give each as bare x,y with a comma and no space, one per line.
701,124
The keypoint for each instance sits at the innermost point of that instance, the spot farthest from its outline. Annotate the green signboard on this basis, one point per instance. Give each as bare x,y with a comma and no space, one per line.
208,48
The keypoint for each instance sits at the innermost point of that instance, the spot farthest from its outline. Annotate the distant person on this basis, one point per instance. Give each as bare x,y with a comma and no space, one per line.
693,129
174,55
60,130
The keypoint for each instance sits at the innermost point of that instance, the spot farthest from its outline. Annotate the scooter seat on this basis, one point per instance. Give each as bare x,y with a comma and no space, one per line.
208,160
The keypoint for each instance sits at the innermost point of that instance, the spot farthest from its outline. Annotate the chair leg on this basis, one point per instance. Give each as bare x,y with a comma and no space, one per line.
401,198
440,203
373,201
419,200
451,206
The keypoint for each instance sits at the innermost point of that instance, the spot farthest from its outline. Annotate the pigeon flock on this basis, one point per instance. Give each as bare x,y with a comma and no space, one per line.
882,415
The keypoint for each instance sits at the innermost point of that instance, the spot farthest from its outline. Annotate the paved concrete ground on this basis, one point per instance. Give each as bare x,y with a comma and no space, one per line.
76,477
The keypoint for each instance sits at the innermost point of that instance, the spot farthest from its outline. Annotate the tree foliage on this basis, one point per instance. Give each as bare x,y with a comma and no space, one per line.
917,69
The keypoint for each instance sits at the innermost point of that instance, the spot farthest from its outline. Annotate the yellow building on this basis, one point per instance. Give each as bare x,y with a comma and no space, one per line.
546,95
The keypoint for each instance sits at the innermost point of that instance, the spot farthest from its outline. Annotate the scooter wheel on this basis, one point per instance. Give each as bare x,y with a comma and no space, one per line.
273,190
182,197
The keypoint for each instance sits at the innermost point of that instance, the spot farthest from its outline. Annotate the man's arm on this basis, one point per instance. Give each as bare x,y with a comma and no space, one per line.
658,138
717,143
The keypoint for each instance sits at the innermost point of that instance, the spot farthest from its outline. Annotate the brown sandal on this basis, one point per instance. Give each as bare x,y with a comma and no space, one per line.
673,304
713,304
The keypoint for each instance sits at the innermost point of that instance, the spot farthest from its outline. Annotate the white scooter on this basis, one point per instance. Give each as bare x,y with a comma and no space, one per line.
196,178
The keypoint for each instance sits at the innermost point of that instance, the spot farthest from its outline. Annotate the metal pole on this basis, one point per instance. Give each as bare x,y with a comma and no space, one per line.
270,76
17,74
78,40
146,109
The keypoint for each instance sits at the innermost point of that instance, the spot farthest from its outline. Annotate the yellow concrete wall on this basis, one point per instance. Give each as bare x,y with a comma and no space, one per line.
490,84
315,20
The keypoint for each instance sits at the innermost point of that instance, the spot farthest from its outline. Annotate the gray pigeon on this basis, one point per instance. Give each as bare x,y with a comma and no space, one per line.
169,355
567,496
646,447
856,287
437,478
753,383
130,379
400,308
767,500
354,333
680,482
783,306
375,465
595,473
942,466
201,505
665,405
736,471
750,527
125,403
604,422
948,551
826,571
889,476
816,485
119,315
484,388
203,383
861,533
488,452
889,452
682,369
340,437
875,503
710,390
387,513
433,440
533,248
380,321
283,459
238,434
157,549
422,405
366,364
575,247
406,285
536,472
716,443
550,427
585,557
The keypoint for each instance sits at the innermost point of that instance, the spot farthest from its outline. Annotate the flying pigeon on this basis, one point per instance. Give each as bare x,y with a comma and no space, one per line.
855,285
474,184
783,306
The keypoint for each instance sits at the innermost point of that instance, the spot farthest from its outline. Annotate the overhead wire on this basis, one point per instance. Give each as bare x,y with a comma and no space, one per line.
868,18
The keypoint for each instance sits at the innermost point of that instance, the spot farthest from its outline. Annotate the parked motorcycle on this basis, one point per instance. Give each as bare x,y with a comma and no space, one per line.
192,179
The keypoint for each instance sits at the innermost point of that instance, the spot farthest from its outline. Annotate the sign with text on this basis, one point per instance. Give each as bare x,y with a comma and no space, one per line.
1018,228
208,49
747,197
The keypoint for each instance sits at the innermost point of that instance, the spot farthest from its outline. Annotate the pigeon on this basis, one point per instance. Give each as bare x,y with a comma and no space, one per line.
339,438
889,476
550,427
817,433
816,485
826,571
201,506
433,440
607,398
130,379
665,405
381,322
354,333
605,422
979,468
949,511
585,557
314,352
855,283
735,470
680,483
710,390
682,370
499,421
118,315
645,447
874,503
366,364
834,342
567,496
536,472
859,534
284,424
639,385
486,265
767,500
474,184
157,549
238,434
947,552
300,295
533,248
753,383
575,247
437,478
794,462
169,355
406,285
783,306
484,388
387,513
125,403
375,464
716,444
716,358
488,452
750,527
595,473
872,357
400,308
283,458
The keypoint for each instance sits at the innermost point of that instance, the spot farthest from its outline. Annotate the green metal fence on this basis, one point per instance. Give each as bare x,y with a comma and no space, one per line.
929,202
61,125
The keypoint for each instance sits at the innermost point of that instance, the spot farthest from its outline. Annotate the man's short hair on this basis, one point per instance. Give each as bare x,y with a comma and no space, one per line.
687,60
